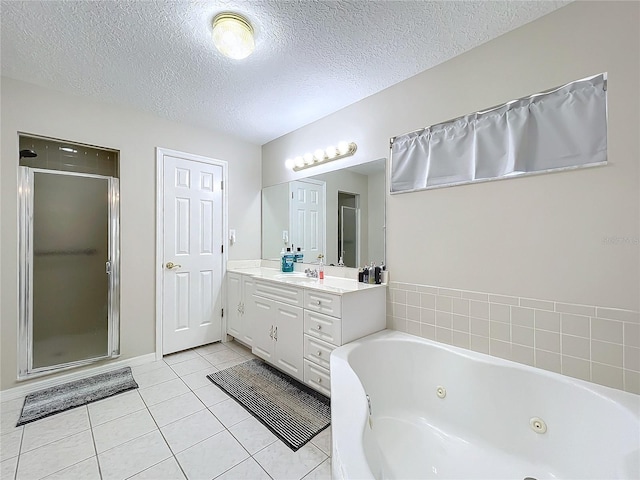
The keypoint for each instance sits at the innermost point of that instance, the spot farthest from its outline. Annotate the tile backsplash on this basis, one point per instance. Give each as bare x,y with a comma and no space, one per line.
597,344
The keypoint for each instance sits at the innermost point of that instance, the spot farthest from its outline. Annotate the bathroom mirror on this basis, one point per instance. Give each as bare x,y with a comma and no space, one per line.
338,214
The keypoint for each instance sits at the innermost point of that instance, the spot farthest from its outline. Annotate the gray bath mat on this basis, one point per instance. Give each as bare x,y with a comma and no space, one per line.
50,401
292,411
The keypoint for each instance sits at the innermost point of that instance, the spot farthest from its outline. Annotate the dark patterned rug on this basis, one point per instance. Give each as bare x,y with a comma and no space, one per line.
50,401
292,411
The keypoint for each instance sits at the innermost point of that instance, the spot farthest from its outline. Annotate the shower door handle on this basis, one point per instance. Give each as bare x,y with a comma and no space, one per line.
108,268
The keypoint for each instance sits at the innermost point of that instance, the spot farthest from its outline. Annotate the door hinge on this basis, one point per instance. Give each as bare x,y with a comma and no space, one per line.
222,313
221,184
221,248
291,195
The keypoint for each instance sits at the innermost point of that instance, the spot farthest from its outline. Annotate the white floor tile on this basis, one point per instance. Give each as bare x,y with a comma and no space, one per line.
133,457
252,434
8,468
12,405
8,420
280,462
322,472
148,367
323,440
56,456
239,348
211,394
114,407
190,366
198,379
123,429
165,470
223,356
247,470
10,444
85,470
211,348
229,412
154,377
190,430
55,427
212,457
175,408
232,363
180,357
163,391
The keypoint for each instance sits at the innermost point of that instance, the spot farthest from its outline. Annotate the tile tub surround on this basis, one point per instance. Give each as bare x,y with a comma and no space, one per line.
593,343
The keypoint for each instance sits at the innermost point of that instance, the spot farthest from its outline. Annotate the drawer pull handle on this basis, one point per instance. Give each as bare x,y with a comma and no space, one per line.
319,380
319,327
319,353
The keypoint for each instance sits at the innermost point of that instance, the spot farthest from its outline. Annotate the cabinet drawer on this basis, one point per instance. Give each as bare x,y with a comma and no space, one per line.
317,378
317,351
322,302
279,292
323,327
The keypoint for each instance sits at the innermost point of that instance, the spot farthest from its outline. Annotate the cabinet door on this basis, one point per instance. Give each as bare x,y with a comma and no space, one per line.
289,349
234,298
263,327
248,311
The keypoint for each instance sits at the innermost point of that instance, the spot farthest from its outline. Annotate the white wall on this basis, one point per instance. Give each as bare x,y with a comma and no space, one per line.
34,110
539,237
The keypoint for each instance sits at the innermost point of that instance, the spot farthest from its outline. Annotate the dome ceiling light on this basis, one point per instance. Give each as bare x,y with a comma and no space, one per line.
233,35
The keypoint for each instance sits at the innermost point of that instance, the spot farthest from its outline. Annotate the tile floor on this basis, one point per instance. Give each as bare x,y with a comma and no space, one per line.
177,425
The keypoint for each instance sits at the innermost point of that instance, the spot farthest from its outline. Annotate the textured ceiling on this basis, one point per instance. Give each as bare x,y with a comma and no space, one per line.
311,59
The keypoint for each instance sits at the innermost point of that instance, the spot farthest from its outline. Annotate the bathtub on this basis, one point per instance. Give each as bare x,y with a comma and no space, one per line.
444,412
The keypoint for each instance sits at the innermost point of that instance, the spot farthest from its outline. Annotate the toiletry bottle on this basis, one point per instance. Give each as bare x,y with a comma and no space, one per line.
372,273
365,274
360,275
378,279
321,267
299,256
282,259
288,261
384,274
293,252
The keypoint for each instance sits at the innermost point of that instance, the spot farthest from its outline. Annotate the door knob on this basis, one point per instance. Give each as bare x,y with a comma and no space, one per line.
171,265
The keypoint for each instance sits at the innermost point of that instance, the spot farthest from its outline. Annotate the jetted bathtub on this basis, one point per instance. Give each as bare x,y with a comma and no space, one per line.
408,408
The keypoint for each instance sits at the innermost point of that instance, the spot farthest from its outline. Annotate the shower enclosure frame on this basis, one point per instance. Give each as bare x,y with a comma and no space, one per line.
25,325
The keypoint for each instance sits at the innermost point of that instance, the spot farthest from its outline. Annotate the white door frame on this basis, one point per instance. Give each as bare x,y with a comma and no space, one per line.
160,154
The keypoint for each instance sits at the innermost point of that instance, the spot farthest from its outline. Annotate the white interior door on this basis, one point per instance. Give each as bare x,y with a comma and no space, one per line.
192,268
307,218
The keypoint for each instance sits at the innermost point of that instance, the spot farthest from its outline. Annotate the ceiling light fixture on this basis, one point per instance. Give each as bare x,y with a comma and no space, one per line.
233,35
320,155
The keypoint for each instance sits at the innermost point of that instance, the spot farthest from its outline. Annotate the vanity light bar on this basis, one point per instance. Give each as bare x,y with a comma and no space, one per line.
329,154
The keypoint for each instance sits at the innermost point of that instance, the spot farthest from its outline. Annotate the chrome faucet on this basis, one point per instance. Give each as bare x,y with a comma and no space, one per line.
311,273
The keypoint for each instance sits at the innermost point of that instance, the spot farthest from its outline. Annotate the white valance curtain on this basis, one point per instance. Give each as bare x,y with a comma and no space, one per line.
562,128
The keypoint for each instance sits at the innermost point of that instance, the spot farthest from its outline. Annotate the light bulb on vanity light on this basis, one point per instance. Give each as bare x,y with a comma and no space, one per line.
343,147
298,161
308,158
318,155
289,163
331,151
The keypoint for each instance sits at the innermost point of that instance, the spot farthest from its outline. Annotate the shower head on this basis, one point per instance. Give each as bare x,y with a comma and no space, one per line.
28,154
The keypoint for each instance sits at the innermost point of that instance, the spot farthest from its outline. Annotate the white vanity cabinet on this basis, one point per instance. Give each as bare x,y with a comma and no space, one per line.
277,326
239,317
295,325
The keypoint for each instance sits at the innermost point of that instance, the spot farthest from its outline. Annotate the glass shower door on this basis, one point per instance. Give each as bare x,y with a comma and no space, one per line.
71,305
349,236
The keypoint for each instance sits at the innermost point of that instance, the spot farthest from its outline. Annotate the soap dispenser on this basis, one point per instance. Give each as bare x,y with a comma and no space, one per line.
321,267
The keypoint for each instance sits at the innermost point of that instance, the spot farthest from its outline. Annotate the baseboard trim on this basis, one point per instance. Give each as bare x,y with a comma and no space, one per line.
23,390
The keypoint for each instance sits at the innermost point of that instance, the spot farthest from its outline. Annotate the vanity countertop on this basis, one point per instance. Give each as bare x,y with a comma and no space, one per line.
328,284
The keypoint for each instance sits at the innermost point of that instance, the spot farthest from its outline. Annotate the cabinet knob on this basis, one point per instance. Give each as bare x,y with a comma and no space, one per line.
319,380
319,327
319,353
318,303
